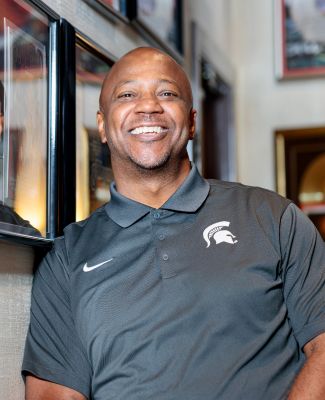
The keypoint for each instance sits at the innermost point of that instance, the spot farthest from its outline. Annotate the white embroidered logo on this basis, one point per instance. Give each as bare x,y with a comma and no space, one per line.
87,269
219,235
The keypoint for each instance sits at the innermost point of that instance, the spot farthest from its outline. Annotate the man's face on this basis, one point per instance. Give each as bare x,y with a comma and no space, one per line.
147,118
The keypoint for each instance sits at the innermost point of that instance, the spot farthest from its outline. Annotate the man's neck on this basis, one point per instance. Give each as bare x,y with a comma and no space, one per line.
151,187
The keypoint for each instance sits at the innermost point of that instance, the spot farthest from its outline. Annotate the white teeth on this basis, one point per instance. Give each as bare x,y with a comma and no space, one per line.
146,129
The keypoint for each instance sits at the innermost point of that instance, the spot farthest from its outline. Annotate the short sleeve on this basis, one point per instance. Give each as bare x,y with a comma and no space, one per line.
53,349
303,268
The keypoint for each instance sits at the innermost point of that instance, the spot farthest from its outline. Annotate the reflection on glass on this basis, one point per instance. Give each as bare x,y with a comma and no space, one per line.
23,121
94,172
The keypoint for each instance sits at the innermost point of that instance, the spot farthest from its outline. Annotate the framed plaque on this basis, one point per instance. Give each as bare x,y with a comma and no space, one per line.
300,170
160,19
299,38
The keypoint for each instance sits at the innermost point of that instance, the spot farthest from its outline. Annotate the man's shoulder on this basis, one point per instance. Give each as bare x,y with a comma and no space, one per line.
245,190
83,231
78,237
253,196
97,217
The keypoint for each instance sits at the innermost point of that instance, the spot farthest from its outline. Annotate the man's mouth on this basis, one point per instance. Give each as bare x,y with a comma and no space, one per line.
140,130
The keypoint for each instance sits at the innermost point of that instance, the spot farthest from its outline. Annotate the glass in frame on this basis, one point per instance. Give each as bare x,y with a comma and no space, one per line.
93,169
24,33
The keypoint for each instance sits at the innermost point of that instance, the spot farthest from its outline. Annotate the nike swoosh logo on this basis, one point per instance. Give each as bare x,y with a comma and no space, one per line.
88,269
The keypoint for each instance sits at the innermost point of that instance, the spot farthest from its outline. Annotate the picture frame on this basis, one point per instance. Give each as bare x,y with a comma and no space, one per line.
111,9
160,21
300,170
299,38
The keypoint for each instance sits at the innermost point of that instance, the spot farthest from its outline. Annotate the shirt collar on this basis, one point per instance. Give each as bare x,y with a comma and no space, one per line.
188,198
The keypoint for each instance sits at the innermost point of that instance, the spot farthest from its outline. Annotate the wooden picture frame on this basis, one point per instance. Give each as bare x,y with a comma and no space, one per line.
299,38
300,170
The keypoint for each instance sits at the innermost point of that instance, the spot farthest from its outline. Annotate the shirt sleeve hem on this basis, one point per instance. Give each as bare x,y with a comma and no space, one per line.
63,378
310,331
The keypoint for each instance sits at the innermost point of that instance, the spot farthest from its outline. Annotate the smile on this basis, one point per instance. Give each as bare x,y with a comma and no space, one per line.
147,129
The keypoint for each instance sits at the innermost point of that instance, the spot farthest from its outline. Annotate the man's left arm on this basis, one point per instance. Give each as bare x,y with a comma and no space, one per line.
310,382
303,262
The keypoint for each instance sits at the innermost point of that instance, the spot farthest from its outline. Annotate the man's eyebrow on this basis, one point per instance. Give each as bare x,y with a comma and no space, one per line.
126,82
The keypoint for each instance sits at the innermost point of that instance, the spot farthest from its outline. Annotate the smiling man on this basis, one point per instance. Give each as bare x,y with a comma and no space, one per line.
179,288
146,117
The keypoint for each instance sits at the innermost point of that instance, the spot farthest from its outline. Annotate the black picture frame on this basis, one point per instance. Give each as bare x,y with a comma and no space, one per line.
147,20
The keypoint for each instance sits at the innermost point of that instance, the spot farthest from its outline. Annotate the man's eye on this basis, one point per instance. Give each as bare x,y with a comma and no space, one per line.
168,94
125,95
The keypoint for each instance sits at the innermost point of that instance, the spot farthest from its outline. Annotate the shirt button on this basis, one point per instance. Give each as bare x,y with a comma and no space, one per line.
165,257
156,215
161,236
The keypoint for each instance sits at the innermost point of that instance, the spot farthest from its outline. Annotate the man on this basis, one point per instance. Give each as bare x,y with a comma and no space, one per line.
178,288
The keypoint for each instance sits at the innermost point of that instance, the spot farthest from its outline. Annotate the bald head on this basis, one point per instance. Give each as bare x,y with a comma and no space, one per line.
144,57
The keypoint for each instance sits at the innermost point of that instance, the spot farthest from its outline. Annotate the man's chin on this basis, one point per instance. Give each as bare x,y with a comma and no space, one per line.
151,165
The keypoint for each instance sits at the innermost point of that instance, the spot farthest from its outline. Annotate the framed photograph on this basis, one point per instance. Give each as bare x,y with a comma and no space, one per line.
111,9
160,20
299,38
300,170
23,140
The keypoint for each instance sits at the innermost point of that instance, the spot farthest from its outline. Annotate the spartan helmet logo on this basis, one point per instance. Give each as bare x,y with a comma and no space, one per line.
219,235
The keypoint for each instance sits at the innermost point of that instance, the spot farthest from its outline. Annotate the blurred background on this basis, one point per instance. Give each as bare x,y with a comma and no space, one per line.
257,70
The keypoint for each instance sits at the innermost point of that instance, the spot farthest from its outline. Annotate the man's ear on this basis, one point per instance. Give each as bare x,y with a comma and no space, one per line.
192,123
101,126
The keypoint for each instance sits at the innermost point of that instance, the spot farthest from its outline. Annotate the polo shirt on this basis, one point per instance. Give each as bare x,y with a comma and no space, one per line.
211,296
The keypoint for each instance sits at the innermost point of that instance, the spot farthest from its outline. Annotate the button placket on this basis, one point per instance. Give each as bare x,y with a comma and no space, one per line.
163,257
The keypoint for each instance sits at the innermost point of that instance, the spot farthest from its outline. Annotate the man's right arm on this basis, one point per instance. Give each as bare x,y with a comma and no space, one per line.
39,389
53,350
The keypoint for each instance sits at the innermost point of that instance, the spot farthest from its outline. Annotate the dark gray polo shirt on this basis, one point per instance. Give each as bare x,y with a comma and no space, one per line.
212,296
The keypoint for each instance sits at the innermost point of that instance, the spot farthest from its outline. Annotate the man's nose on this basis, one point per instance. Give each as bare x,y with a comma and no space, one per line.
148,104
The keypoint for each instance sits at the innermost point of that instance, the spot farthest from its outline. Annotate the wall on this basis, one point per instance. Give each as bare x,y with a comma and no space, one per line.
238,37
214,19
264,104
16,266
210,39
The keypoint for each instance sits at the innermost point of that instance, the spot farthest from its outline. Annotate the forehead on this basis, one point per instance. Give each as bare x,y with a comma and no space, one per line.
146,66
